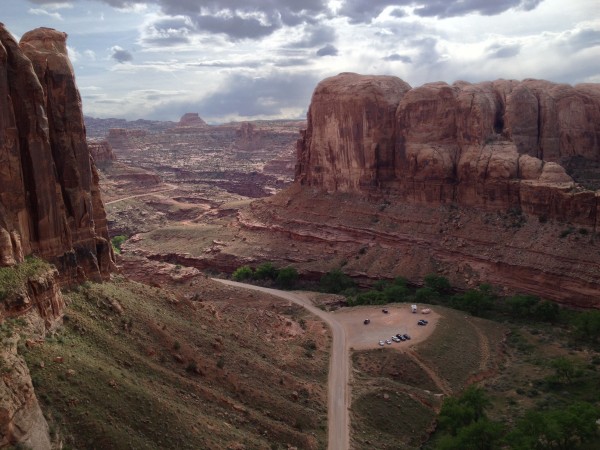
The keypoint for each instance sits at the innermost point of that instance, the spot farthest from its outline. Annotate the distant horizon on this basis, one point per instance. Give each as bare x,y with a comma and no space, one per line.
233,60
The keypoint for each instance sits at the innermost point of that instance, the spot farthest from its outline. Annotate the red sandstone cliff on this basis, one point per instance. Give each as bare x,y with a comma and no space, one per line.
49,199
496,145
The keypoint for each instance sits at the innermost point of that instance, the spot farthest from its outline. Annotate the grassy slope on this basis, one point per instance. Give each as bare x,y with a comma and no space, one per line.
169,374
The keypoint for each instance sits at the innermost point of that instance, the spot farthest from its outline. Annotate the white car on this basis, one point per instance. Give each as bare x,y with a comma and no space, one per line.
381,343
395,339
388,342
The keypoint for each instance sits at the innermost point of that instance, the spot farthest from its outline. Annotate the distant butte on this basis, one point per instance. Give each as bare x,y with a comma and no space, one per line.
191,120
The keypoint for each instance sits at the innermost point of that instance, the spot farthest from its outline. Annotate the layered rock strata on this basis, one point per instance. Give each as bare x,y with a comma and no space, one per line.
496,145
49,198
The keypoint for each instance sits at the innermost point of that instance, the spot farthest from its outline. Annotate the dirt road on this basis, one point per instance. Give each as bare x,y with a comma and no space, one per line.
170,188
348,331
338,398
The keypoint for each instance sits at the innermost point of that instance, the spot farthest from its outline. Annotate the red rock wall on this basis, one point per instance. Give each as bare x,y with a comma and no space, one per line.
47,204
495,145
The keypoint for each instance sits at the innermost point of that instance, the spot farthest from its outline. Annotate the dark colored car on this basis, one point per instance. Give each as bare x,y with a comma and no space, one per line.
385,311
367,321
406,337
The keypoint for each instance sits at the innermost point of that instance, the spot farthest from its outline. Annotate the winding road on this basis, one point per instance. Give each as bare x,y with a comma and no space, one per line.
170,188
350,333
338,398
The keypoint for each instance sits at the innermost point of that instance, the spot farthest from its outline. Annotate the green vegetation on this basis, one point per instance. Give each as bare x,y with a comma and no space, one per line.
335,282
284,278
463,425
116,242
14,278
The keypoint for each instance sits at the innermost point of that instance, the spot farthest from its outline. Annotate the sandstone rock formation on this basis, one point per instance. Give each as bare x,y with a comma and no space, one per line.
101,151
49,204
191,120
496,145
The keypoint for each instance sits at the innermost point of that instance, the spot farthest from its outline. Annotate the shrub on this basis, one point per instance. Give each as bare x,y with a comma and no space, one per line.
14,278
117,241
335,281
242,273
287,277
266,271
439,284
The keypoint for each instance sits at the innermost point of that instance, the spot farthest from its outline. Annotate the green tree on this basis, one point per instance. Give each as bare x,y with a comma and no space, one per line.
335,281
565,369
521,306
439,284
242,273
287,277
547,311
266,271
587,326
480,435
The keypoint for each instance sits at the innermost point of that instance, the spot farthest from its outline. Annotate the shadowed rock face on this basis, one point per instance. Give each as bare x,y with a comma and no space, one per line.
497,145
49,199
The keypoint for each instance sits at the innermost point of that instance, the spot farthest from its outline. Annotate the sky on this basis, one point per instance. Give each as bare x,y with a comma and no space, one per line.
261,59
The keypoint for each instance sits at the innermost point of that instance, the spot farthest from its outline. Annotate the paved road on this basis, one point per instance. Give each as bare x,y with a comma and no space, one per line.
338,401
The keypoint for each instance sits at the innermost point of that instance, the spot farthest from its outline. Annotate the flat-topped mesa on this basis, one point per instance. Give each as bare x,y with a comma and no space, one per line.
49,198
497,145
101,151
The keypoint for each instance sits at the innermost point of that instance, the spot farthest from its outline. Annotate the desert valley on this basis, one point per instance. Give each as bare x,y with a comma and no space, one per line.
250,285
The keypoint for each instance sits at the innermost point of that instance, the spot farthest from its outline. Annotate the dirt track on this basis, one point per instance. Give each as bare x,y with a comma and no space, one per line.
349,332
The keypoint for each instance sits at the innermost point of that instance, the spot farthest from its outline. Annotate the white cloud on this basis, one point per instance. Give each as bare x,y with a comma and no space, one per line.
43,12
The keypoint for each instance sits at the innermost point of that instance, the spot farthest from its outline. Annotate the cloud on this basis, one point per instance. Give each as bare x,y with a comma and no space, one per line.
582,39
245,95
121,55
328,50
237,19
444,8
53,4
43,12
397,57
503,51
167,32
315,36
364,11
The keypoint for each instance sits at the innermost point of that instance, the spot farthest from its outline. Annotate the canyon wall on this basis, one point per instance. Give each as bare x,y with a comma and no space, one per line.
49,198
494,145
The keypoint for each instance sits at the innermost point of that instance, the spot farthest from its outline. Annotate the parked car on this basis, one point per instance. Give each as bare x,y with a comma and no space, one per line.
421,323
381,343
388,342
406,337
367,321
395,339
385,311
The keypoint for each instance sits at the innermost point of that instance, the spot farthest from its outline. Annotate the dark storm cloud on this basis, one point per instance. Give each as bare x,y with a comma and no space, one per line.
328,50
397,57
503,51
248,96
120,55
366,10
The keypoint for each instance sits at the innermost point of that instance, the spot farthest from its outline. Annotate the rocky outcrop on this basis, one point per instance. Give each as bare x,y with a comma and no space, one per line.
49,201
101,152
495,145
191,120
123,140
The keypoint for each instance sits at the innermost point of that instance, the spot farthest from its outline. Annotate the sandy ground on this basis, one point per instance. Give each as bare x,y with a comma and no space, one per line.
400,319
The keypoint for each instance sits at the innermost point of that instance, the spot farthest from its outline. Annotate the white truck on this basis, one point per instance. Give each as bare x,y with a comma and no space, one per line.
413,308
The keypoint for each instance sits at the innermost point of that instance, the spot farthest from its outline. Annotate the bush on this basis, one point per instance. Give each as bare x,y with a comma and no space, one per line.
116,242
242,273
439,284
335,282
14,278
266,271
287,277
